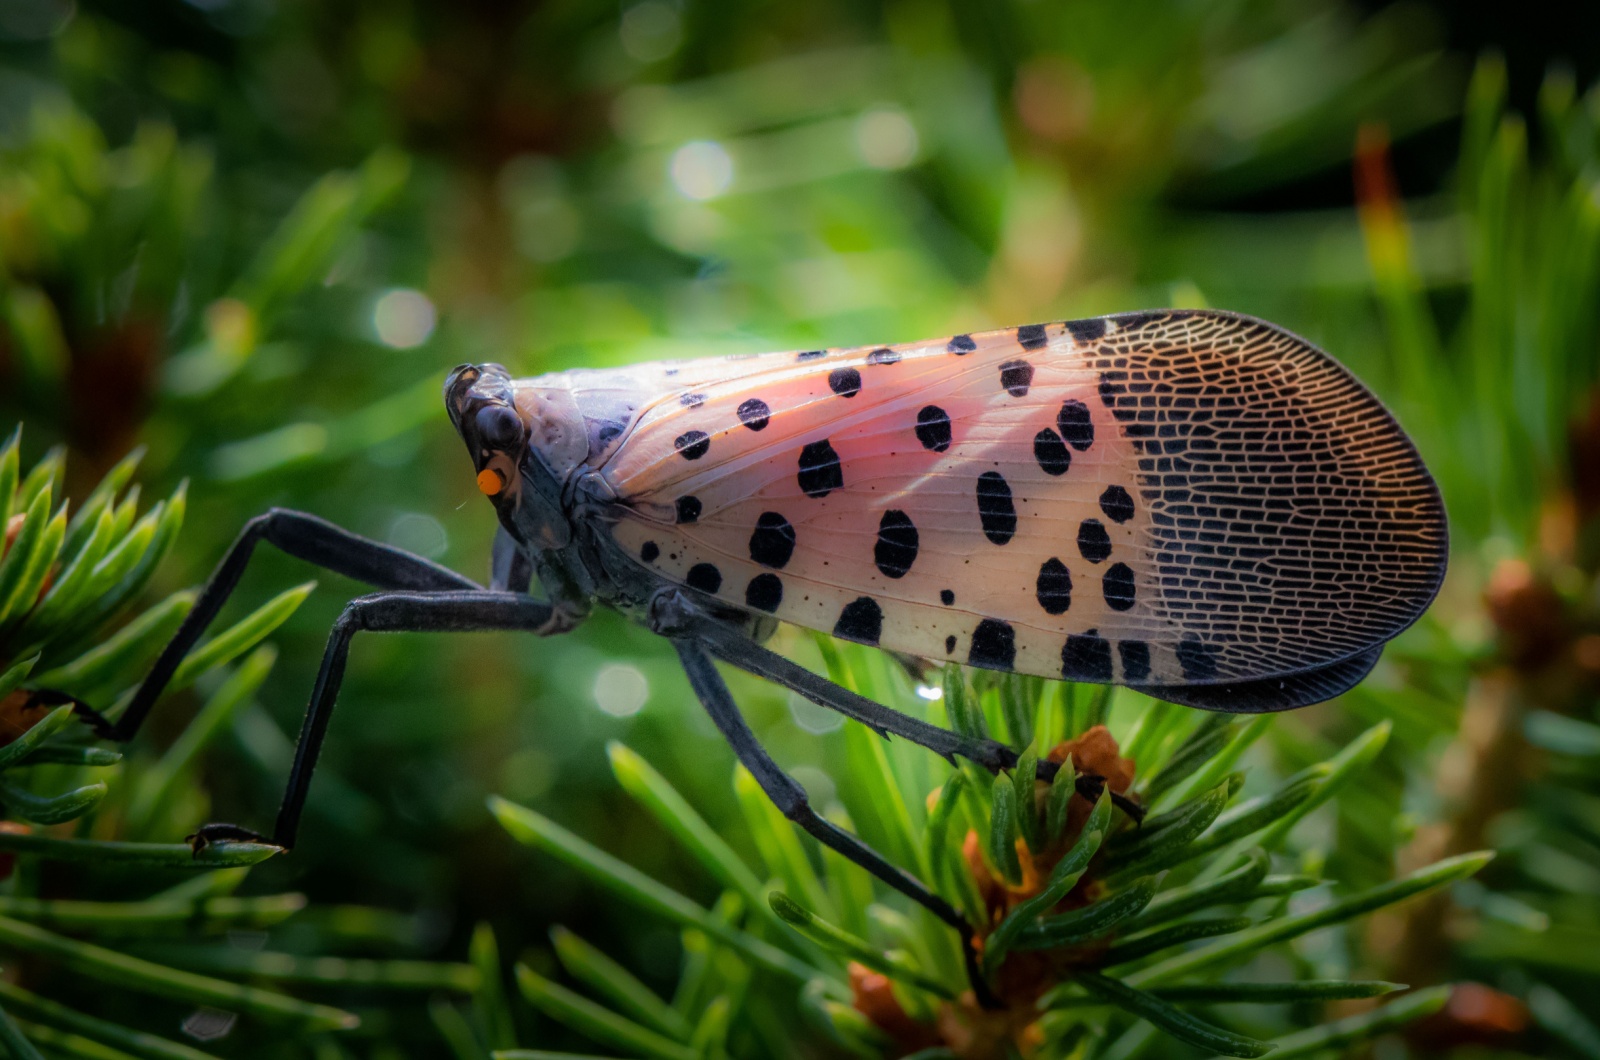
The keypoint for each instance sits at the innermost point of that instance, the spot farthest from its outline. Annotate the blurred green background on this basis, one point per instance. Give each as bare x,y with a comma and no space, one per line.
253,235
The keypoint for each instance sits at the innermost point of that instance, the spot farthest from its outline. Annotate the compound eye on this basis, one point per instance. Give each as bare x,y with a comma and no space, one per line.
500,428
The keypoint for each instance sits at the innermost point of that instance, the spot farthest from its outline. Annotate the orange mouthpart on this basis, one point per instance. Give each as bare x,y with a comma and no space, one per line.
491,482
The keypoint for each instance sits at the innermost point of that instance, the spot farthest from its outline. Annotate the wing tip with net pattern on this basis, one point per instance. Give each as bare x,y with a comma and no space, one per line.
1430,511
1272,694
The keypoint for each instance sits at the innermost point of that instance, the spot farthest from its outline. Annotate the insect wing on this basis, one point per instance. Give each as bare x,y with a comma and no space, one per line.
1168,500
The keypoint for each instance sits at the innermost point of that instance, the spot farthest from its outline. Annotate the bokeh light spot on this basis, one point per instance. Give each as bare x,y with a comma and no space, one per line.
403,318
209,1024
420,533
651,31
812,718
886,139
547,227
620,690
702,169
527,773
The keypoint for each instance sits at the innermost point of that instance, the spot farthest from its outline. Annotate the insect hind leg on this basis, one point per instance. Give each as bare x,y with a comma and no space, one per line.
790,798
731,646
676,615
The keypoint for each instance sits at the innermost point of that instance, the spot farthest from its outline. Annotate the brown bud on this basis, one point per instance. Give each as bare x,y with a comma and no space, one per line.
1094,753
1527,612
1474,1015
874,998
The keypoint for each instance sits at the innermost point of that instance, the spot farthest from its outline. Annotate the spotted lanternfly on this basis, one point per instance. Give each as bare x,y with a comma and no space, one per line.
1194,504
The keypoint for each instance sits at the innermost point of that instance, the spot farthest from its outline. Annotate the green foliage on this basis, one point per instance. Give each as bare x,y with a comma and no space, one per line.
1503,349
71,578
1492,395
206,212
1148,904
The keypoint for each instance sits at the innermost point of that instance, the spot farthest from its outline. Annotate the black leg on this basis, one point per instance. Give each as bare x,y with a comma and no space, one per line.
461,611
790,798
787,795
733,647
305,537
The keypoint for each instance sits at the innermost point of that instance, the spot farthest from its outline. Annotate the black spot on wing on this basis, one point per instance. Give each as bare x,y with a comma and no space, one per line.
754,414
1135,660
1086,657
994,645
705,577
1053,589
961,345
1016,377
772,541
896,549
1075,425
1086,330
1117,585
883,355
649,551
1051,452
1093,542
949,644
846,382
820,473
691,401
764,593
947,597
692,444
810,355
1031,336
933,428
860,621
688,509
1117,504
1140,318
995,510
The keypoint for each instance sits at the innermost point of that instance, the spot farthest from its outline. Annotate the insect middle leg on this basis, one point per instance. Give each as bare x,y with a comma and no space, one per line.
732,646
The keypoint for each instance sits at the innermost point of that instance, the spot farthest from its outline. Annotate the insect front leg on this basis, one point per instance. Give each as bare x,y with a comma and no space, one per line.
456,611
790,798
304,537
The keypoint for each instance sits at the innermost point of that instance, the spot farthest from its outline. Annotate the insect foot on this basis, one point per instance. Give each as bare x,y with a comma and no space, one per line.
98,723
1046,903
